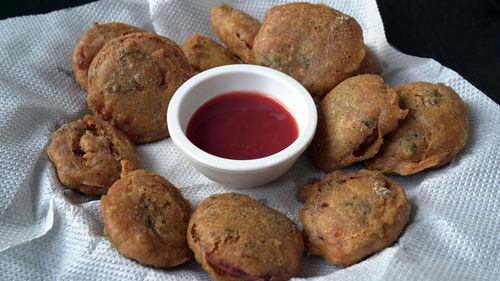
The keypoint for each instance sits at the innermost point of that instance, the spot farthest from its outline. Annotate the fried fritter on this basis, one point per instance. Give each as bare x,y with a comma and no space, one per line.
204,53
352,121
236,29
435,130
235,237
315,44
369,64
146,218
87,154
350,216
90,44
131,82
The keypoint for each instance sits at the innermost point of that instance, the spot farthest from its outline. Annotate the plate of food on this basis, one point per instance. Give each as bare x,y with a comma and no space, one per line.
391,172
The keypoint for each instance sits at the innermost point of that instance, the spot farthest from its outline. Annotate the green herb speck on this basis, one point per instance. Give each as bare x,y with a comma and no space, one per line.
250,245
413,148
125,52
368,123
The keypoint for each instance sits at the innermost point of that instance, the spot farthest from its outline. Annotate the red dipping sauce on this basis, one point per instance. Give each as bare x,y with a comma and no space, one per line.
242,125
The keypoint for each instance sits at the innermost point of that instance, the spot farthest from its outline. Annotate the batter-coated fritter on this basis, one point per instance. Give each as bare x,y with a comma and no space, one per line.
236,29
369,64
132,80
204,53
348,217
235,237
87,154
315,44
352,121
435,130
90,44
146,218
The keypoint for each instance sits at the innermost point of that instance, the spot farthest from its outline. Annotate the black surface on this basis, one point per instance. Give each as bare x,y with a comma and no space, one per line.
463,35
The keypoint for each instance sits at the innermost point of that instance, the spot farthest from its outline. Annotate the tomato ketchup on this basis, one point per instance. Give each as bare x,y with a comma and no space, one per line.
242,125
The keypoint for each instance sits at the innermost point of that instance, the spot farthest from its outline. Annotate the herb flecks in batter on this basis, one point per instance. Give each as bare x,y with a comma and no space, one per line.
125,52
432,97
359,207
368,123
116,87
274,62
159,106
128,90
413,148
250,244
123,56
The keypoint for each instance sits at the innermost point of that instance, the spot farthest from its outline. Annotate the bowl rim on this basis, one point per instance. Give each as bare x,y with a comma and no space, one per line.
208,160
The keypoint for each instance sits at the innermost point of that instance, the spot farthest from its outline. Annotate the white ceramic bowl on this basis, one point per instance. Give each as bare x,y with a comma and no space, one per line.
242,77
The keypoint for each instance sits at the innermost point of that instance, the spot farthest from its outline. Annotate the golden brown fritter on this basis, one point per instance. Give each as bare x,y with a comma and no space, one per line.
348,217
146,218
435,130
369,64
131,82
235,237
87,154
236,29
315,44
90,44
352,121
204,53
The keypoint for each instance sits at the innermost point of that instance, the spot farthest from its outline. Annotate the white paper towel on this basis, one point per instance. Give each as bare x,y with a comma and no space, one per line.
47,232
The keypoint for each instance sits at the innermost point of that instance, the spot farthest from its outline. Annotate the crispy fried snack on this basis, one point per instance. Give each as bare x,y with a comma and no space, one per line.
348,217
87,154
435,130
146,218
204,53
90,44
236,29
369,64
315,44
131,82
235,237
352,121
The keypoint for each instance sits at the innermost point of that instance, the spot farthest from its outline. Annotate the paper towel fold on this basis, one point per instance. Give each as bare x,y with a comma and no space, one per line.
47,232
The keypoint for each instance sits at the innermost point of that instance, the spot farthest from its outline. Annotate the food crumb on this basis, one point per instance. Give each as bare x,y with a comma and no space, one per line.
381,190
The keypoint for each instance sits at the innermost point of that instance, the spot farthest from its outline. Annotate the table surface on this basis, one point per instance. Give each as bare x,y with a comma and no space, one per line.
463,35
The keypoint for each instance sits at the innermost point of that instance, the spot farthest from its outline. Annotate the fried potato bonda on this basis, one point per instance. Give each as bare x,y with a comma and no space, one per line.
353,120
91,43
435,130
131,82
87,154
235,237
236,29
146,218
369,64
349,216
315,44
204,53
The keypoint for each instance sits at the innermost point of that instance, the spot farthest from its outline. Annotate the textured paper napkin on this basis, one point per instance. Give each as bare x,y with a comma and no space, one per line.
47,232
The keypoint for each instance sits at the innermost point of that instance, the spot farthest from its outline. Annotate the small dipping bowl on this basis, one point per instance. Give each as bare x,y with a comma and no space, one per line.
233,78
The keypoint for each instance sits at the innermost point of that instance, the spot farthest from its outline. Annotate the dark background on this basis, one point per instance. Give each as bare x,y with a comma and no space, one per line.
463,35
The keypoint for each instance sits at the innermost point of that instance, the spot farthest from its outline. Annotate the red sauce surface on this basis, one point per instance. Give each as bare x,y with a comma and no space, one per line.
242,125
